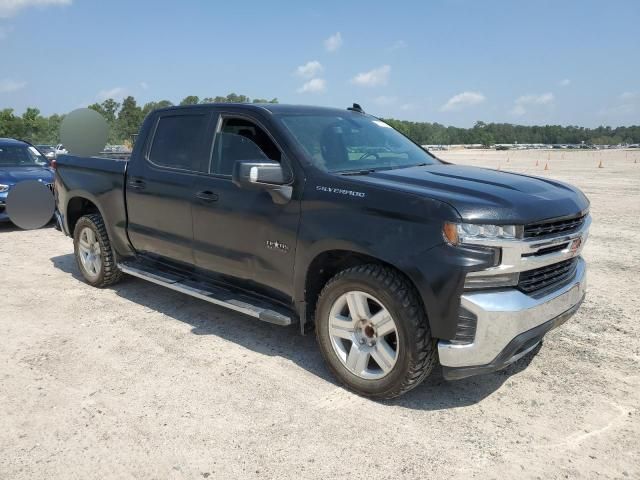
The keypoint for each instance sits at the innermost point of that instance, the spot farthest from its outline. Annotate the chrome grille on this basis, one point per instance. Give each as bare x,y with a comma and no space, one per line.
553,227
535,280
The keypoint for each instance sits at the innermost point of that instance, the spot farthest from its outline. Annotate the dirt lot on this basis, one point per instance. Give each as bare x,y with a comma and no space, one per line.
137,381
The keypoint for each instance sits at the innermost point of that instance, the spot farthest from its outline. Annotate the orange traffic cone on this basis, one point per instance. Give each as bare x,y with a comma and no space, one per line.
546,166
537,162
600,164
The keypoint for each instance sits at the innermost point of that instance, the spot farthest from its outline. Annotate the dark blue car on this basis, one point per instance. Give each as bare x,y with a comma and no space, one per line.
20,161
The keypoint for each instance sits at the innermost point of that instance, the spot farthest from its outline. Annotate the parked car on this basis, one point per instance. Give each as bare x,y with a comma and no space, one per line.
48,151
20,161
333,220
61,150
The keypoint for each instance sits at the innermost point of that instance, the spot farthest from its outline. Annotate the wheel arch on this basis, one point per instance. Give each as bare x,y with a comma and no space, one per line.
326,264
77,207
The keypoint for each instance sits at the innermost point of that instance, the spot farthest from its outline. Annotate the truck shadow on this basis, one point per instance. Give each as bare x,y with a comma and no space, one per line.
206,319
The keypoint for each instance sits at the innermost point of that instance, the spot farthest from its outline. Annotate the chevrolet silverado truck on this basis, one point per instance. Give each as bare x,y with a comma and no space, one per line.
332,220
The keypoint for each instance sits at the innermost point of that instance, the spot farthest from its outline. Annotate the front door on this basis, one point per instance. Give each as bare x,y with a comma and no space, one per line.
242,233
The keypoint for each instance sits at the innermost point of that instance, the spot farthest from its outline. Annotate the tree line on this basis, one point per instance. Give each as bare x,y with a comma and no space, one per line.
124,119
496,133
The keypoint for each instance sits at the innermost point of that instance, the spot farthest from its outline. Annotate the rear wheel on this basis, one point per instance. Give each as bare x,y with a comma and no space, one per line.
373,331
94,256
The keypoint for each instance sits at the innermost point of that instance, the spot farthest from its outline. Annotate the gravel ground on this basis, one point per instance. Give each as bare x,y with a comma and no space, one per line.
137,381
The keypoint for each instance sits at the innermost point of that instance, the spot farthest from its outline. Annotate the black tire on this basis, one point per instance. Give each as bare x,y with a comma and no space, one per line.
109,272
417,355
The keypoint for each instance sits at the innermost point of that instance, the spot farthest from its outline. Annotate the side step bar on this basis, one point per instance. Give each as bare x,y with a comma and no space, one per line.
209,293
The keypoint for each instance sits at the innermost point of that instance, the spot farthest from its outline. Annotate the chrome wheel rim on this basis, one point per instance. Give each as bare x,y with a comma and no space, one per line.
89,252
363,335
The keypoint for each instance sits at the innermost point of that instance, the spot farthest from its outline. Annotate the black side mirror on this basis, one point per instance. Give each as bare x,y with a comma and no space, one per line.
263,175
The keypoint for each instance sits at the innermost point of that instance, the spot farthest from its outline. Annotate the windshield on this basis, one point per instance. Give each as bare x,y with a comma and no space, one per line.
20,156
353,143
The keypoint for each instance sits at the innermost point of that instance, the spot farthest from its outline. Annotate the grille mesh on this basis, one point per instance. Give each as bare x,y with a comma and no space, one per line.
540,278
550,228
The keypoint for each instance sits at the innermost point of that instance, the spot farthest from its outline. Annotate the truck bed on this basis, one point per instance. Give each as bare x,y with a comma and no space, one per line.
99,180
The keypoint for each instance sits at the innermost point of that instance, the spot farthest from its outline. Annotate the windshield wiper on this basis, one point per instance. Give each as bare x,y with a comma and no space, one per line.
364,171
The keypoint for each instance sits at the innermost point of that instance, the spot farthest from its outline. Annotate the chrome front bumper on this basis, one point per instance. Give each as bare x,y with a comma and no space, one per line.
503,319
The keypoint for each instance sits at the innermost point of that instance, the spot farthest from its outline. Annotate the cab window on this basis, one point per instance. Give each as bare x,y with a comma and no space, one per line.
177,141
241,139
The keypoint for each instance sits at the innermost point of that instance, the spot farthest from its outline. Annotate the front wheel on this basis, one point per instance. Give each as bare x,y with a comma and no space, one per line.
373,331
93,252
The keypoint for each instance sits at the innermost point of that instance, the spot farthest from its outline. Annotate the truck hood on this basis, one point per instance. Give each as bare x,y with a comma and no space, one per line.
13,175
484,195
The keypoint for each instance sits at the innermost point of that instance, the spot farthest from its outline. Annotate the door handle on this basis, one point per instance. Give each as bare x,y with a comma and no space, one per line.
137,184
207,196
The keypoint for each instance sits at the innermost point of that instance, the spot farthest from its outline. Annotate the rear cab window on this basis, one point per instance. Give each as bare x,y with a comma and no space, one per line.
177,141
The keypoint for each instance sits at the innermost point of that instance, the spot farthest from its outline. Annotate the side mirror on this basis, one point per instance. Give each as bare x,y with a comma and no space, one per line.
263,175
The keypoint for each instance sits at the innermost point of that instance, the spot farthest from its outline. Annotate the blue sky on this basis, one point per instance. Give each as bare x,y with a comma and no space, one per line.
450,61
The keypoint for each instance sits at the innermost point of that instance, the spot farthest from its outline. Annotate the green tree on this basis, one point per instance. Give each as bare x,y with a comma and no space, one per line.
11,126
190,100
109,110
151,106
129,119
34,125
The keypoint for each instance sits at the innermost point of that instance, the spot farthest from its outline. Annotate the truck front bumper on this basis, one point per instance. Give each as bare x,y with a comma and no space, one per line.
509,325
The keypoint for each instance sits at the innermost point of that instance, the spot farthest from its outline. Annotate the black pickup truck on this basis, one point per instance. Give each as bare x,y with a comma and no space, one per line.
333,220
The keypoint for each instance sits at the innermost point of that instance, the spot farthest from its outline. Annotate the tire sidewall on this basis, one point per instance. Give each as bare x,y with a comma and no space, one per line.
82,223
356,281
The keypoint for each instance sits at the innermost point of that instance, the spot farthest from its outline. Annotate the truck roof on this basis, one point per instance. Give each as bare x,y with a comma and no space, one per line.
273,108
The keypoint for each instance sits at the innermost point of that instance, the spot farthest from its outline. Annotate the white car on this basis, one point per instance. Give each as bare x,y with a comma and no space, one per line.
60,150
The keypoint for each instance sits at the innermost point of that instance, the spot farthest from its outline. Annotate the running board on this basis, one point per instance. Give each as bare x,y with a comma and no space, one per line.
209,293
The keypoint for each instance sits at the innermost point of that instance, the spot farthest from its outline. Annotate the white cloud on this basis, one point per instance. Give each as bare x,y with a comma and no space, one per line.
463,100
144,85
630,96
117,93
315,85
542,99
334,42
7,85
310,69
523,103
9,8
373,78
564,82
397,45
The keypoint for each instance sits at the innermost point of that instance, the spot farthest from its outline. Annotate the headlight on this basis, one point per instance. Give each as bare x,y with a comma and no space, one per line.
470,233
4,188
478,235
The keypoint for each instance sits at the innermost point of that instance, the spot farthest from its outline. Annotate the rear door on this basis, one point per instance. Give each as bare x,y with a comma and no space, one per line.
160,184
